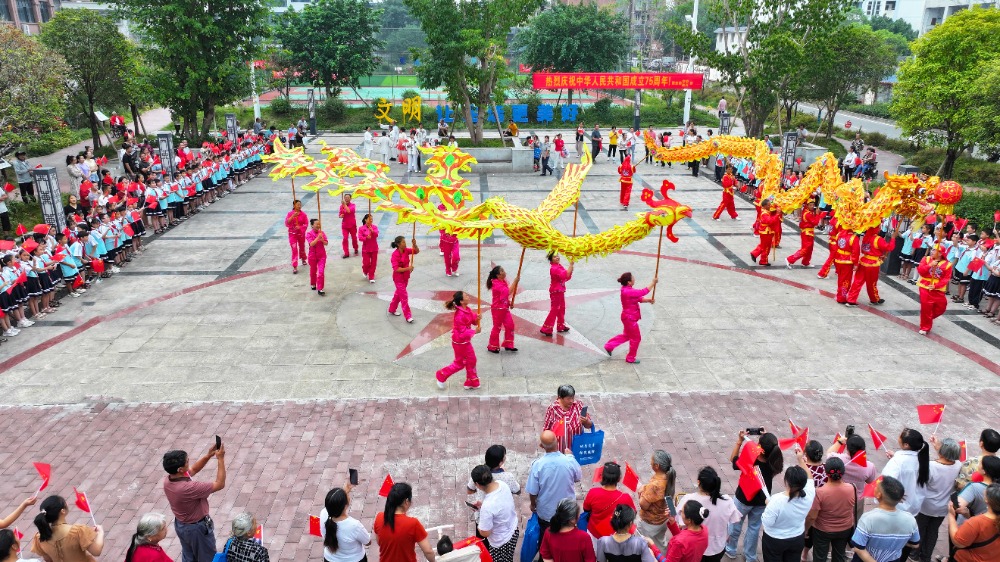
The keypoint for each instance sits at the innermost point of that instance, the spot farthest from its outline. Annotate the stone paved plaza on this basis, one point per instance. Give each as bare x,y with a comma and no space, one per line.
209,333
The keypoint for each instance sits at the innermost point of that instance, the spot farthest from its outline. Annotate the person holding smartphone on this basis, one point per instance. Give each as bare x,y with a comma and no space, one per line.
344,537
189,501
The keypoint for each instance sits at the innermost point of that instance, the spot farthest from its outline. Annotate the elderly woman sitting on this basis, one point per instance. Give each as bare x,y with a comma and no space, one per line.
242,547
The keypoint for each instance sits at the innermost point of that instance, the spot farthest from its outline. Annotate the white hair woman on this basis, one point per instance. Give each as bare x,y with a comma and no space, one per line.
145,547
241,547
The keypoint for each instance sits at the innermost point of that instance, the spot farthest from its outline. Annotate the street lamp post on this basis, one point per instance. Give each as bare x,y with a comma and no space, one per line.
687,93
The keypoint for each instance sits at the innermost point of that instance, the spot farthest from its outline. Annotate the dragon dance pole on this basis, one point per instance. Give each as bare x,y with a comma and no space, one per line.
479,277
519,264
659,246
413,258
293,188
576,208
319,211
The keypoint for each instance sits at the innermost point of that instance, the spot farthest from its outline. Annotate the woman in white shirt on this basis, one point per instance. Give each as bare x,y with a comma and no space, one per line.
497,515
784,518
344,537
721,511
934,508
911,466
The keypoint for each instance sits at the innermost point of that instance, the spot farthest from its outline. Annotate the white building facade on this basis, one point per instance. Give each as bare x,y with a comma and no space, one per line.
922,15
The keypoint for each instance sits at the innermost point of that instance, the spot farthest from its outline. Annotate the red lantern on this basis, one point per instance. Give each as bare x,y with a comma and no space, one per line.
946,195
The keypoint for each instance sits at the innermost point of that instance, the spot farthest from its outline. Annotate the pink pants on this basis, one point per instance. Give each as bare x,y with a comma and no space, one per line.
368,262
353,234
317,272
298,244
630,334
451,258
502,318
465,358
557,313
400,298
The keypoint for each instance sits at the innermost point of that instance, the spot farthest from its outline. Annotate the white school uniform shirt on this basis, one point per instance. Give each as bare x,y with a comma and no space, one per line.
903,466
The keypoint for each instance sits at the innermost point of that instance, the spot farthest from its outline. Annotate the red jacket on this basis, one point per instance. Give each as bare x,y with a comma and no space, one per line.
847,248
934,276
874,248
769,222
808,222
728,181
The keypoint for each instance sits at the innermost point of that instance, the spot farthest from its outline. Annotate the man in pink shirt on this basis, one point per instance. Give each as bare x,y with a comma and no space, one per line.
189,502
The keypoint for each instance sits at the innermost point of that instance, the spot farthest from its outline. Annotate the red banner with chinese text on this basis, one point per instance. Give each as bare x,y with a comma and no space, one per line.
613,80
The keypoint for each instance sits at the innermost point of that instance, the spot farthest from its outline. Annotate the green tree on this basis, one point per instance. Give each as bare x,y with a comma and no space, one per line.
899,26
835,75
985,98
97,54
673,19
772,52
467,40
202,51
574,38
332,41
934,97
898,43
32,89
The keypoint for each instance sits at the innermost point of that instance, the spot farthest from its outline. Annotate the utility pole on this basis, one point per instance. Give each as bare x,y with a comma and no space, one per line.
687,93
631,39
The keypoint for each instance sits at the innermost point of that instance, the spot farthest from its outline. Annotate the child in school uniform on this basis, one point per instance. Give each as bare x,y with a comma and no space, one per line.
962,267
979,272
12,302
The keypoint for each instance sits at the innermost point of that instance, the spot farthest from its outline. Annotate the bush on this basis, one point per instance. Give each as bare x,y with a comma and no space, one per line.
978,207
56,140
334,109
967,169
880,110
281,106
407,94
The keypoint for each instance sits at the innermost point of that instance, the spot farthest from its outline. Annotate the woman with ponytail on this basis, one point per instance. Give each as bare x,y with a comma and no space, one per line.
464,327
830,523
396,532
769,462
690,544
784,518
563,541
631,298
402,266
58,542
720,509
145,545
502,318
624,545
558,276
911,466
344,537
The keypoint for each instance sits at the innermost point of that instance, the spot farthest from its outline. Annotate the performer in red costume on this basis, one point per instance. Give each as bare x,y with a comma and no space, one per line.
626,171
873,251
807,233
765,229
935,273
846,252
757,194
728,203
777,229
828,264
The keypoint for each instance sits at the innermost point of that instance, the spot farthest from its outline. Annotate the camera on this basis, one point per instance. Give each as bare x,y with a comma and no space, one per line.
755,431
849,432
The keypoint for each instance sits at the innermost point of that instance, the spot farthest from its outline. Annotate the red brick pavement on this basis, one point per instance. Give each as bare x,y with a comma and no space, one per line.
283,457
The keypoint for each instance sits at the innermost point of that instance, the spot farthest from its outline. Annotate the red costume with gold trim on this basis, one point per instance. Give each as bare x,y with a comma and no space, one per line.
934,278
873,251
807,235
766,225
728,203
824,271
625,173
846,253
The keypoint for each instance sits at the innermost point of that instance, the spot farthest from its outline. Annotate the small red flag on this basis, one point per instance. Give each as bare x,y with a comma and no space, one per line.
931,219
45,471
860,459
836,440
97,265
877,437
314,526
801,438
77,282
996,216
930,413
41,228
795,429
963,451
18,534
598,474
748,483
81,500
128,230
631,479
258,535
20,230
869,491
386,486
8,187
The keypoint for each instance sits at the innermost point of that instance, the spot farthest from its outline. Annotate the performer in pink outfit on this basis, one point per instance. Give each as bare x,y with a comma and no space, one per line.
369,247
449,245
317,241
466,325
296,221
502,318
631,297
401,268
349,224
557,295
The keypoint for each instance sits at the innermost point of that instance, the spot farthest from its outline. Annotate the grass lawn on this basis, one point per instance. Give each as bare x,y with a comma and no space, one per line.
387,81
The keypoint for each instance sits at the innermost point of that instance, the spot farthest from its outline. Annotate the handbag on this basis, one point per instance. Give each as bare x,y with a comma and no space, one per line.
221,556
587,447
583,521
532,539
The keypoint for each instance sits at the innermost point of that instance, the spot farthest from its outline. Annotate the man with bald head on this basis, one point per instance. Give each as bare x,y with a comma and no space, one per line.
553,477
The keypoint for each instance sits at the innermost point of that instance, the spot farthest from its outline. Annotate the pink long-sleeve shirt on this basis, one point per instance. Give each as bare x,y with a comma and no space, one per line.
296,224
463,327
401,258
369,238
319,249
501,294
559,277
349,215
631,297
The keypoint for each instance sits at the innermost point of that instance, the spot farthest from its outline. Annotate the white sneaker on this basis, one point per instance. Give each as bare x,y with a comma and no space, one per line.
441,385
454,274
397,313
371,281
115,269
440,253
81,291
25,324
788,264
447,275
11,332
74,294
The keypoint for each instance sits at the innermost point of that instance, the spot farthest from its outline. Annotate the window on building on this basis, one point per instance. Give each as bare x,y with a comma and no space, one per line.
890,6
5,11
43,7
26,12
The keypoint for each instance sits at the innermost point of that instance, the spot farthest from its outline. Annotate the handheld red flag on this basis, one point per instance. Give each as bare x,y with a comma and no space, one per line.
41,228
598,474
748,482
314,526
45,471
258,535
18,535
78,282
97,265
976,265
20,230
836,440
8,187
631,479
6,245
386,486
128,230
963,451
860,459
877,437
801,438
930,413
81,500
794,428
869,491
996,216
